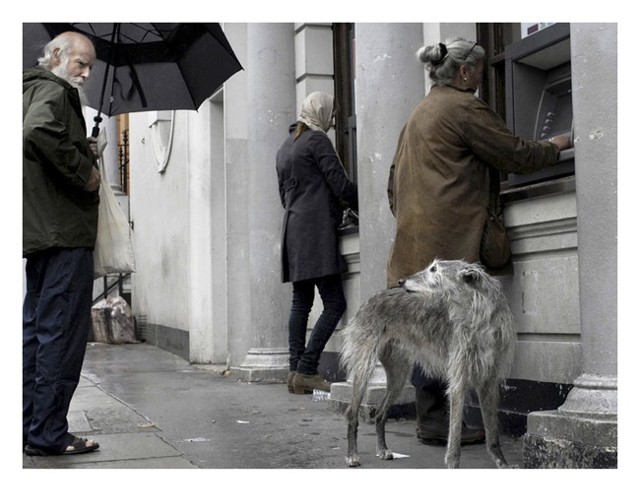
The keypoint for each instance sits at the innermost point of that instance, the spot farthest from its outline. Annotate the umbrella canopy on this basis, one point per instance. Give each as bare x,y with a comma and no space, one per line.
145,67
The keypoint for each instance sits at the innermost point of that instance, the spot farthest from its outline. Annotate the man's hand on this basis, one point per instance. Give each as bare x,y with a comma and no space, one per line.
94,180
93,144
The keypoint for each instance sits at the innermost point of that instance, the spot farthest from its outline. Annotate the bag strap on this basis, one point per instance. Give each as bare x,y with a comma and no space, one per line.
495,203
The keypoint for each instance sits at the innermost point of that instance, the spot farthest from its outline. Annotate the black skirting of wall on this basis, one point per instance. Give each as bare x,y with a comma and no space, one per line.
517,399
169,339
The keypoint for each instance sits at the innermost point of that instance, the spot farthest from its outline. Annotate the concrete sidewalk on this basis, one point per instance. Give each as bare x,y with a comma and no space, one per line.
150,409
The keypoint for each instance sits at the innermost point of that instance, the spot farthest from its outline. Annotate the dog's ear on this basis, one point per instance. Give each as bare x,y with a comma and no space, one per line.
469,275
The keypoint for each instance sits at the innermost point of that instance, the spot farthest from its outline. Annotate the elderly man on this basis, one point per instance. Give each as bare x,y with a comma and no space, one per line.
60,217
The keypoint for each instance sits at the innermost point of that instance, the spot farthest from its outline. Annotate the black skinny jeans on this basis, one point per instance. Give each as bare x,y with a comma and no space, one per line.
305,359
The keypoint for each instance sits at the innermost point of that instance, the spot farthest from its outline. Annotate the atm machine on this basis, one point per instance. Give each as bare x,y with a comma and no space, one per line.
538,95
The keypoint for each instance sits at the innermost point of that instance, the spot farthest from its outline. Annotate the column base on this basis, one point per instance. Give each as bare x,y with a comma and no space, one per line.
267,365
556,441
580,434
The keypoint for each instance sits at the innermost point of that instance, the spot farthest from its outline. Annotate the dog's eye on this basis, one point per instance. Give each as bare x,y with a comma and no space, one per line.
433,269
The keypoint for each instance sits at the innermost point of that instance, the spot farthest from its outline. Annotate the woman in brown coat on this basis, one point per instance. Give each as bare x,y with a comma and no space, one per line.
439,186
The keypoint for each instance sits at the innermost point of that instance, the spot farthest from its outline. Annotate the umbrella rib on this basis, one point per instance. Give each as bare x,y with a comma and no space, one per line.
138,85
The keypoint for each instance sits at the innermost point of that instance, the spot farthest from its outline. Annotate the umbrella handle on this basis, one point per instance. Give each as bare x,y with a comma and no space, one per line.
96,129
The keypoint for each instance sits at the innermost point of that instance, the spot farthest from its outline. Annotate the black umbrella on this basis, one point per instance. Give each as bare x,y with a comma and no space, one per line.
145,67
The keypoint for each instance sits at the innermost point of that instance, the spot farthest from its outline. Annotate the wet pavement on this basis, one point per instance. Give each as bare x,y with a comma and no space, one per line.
150,409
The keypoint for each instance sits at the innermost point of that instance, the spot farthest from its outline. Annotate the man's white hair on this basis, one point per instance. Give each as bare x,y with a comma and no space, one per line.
63,43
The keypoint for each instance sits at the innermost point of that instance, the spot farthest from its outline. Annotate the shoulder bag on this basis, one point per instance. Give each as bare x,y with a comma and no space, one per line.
495,247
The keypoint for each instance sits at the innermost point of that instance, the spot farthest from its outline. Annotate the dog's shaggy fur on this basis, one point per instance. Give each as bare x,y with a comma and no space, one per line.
453,320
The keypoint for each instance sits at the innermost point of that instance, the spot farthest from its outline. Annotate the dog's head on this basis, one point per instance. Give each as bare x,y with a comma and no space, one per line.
446,275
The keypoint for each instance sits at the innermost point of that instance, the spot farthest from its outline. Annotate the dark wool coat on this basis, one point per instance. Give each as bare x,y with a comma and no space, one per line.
439,179
312,183
56,166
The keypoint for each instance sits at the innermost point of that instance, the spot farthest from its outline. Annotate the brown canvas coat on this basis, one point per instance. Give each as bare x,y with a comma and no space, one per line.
439,178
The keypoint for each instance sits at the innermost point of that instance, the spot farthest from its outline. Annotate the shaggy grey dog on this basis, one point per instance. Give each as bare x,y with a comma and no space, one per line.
453,320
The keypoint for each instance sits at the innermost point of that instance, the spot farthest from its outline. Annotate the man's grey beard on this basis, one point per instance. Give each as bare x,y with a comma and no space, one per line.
76,82
82,94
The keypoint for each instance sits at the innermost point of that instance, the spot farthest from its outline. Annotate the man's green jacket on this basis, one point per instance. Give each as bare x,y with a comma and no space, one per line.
57,162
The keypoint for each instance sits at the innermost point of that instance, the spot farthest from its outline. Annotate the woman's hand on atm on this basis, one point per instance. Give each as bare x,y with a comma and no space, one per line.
561,141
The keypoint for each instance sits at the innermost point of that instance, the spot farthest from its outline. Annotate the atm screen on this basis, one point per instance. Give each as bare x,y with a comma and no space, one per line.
539,100
555,113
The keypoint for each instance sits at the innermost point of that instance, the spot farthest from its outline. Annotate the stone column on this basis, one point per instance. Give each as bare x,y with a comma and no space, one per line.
582,433
207,278
237,168
389,83
271,108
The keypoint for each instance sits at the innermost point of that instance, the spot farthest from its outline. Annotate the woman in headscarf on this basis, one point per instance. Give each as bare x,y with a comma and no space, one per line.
439,188
313,186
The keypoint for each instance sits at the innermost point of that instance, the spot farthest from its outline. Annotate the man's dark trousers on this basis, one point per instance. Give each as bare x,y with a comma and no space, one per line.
56,324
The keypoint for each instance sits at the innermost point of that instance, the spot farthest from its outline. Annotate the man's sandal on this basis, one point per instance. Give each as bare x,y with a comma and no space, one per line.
77,446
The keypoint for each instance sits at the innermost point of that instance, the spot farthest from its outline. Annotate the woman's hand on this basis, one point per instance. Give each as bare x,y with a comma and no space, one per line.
561,141
93,144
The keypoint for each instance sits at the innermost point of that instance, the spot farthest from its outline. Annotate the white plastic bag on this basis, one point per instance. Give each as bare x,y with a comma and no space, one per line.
113,252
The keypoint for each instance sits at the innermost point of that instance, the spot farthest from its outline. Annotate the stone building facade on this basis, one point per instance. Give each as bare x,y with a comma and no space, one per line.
206,215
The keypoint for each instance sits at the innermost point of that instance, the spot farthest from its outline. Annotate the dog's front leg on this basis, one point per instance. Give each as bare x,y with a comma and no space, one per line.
456,408
488,395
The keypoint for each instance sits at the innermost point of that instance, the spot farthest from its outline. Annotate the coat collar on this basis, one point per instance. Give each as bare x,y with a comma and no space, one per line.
472,91
40,73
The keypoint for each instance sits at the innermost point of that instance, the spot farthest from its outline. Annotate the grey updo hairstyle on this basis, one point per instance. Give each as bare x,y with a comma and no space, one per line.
444,60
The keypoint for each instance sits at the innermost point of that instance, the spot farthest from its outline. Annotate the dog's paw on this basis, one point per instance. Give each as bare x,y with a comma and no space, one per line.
352,461
385,455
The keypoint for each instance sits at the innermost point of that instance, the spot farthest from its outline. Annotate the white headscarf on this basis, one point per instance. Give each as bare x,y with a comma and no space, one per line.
317,111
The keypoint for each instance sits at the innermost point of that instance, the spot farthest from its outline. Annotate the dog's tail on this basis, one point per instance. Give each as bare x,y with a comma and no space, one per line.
360,350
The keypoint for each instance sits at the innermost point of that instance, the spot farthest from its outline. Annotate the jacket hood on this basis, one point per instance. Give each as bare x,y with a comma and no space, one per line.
40,73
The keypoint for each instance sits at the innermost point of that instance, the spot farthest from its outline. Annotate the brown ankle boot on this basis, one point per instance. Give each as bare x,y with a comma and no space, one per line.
290,376
303,383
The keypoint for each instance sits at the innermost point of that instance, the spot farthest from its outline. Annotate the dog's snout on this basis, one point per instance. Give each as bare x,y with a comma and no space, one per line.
402,282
